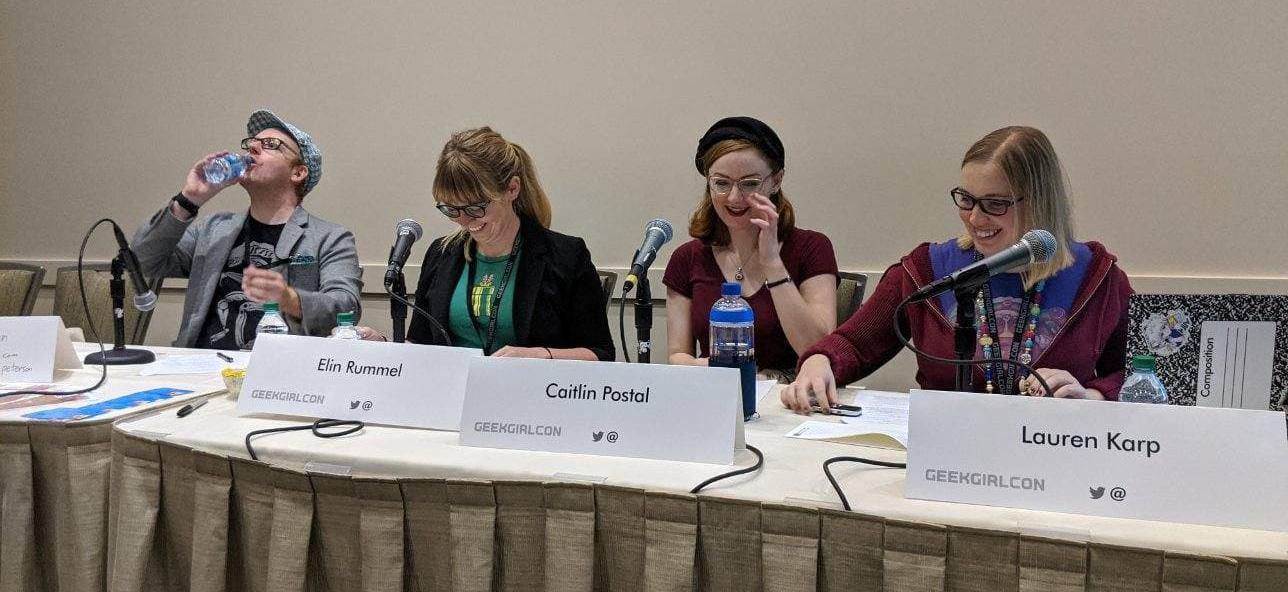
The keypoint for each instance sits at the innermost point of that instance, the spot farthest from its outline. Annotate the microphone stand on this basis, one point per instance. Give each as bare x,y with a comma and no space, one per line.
119,354
643,318
964,335
398,307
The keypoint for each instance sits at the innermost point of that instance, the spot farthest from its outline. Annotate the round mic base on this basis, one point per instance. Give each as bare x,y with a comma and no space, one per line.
123,356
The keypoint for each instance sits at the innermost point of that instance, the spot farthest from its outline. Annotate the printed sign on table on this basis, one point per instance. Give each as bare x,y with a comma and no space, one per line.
1221,467
684,413
385,383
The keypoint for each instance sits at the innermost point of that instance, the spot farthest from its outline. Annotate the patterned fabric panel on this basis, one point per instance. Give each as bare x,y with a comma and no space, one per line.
14,285
1169,328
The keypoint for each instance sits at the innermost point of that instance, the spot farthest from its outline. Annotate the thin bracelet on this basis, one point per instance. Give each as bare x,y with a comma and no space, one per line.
550,353
776,283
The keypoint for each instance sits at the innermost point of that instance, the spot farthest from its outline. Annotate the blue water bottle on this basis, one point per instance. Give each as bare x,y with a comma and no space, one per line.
228,166
733,337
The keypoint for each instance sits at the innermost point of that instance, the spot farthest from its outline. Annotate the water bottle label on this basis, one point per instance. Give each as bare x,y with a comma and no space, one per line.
1142,388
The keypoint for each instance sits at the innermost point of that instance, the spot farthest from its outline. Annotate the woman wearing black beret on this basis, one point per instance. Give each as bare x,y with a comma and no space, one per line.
744,230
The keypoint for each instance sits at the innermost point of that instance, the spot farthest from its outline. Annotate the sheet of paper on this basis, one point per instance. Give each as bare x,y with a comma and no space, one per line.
194,364
36,400
883,413
844,433
884,423
763,387
17,408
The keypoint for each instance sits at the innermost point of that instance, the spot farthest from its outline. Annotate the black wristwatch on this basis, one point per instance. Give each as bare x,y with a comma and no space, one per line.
186,204
776,283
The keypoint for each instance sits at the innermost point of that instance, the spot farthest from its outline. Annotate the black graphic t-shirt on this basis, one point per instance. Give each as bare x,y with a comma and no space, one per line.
231,322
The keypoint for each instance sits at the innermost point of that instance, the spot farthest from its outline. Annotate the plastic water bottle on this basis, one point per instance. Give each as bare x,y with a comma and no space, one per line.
344,328
1143,385
733,336
272,321
228,166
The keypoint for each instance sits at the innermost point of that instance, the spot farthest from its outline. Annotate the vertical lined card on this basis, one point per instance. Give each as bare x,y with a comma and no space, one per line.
1235,364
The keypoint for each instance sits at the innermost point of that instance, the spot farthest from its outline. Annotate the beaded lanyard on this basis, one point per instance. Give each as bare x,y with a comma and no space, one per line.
1025,335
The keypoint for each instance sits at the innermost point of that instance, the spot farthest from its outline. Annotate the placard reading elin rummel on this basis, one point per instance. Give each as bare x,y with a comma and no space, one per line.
1222,467
654,411
388,383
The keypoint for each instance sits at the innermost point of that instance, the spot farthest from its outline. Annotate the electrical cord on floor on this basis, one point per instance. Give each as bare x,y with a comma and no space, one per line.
89,322
760,462
352,426
827,470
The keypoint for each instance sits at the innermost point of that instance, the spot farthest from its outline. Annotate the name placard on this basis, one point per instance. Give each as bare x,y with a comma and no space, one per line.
653,411
31,348
385,383
1221,467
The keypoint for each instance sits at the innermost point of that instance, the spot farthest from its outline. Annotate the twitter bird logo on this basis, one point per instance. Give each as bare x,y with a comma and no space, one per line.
597,436
1097,492
354,404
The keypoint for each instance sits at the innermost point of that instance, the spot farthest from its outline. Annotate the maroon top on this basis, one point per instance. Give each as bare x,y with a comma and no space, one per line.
1092,346
693,273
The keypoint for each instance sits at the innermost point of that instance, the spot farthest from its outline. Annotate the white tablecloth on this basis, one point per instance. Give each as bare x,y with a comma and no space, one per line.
792,474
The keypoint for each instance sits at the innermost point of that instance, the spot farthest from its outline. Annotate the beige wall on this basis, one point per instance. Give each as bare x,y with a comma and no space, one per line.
1170,116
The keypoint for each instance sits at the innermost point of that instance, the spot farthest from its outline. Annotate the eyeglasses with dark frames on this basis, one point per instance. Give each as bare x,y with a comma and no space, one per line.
474,210
991,205
269,143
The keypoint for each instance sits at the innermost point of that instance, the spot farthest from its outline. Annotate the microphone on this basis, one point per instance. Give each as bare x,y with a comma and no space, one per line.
1036,246
144,298
409,232
657,233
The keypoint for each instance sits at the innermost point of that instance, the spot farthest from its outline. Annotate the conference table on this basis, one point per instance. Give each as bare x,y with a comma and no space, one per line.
390,508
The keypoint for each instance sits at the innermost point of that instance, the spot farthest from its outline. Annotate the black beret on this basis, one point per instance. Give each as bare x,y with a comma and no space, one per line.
743,128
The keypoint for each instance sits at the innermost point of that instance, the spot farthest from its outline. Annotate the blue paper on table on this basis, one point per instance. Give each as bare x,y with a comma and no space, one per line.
122,402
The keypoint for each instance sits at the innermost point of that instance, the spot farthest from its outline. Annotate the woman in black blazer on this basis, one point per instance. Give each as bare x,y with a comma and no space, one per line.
504,259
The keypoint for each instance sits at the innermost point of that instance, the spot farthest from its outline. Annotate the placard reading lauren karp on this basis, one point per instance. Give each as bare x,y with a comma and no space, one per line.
1222,467
387,383
654,411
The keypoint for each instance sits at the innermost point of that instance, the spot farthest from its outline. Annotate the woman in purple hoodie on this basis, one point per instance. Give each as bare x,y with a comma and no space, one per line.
1067,317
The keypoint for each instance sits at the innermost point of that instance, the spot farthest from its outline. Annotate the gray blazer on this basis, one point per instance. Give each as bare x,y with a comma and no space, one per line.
198,250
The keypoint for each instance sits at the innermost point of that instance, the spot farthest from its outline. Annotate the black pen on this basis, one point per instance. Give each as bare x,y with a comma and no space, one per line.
189,408
225,357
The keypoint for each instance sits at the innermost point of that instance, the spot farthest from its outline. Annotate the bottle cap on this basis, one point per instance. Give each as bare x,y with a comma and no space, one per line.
731,289
270,307
1143,363
344,318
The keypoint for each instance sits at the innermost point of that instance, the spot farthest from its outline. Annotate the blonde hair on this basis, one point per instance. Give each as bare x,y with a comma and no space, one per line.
706,226
477,165
1027,159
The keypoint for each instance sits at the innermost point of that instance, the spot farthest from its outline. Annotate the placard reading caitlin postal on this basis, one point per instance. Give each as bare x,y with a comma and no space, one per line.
404,384
654,411
31,348
1221,467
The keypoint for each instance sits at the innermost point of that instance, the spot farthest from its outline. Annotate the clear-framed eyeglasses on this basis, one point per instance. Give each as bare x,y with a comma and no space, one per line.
723,186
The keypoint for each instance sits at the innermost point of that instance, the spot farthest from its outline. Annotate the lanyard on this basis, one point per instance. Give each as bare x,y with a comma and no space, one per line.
496,296
1006,372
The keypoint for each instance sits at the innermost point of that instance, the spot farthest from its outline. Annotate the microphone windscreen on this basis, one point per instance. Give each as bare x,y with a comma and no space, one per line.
664,226
145,301
1041,244
411,227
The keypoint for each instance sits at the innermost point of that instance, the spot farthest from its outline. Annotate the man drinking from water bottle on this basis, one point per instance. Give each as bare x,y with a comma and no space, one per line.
274,251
